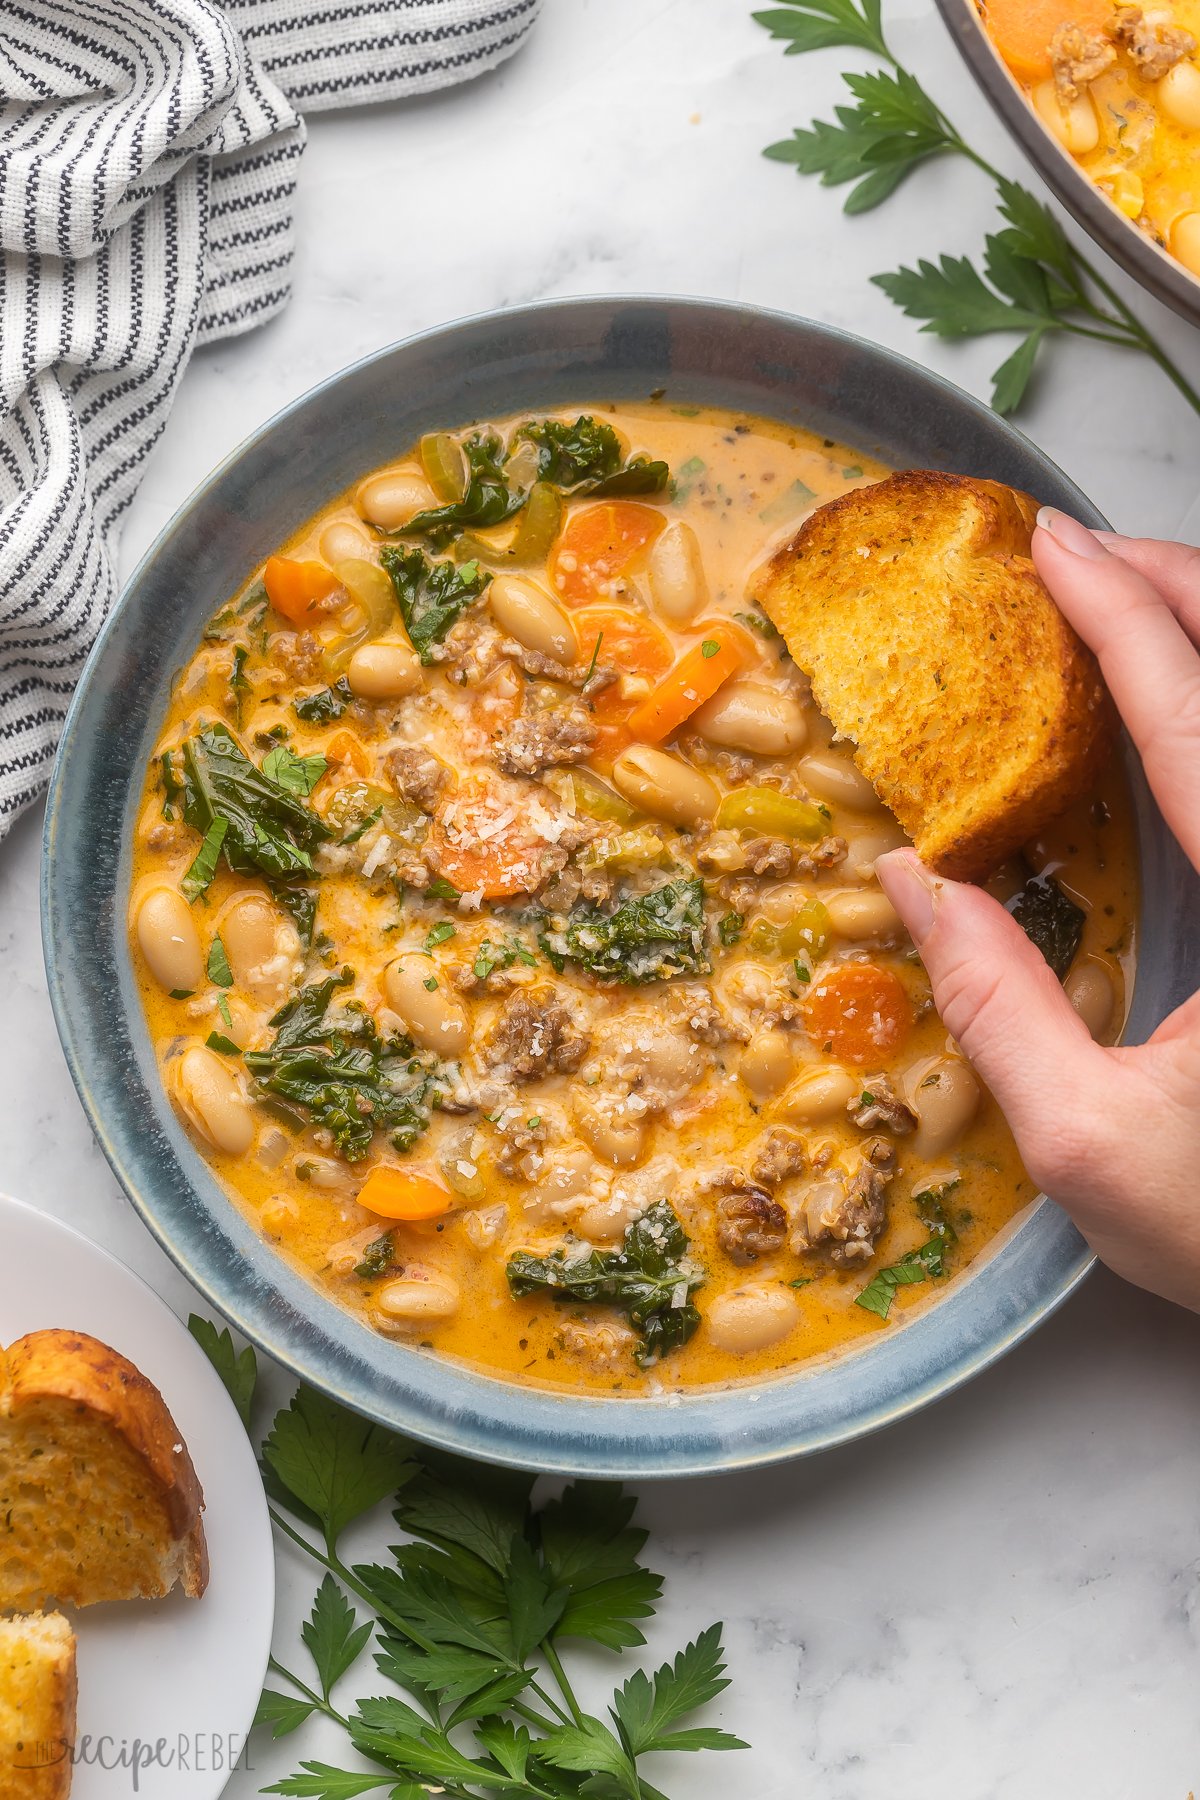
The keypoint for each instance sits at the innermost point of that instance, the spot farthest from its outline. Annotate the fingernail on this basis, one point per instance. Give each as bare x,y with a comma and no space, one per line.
1071,534
912,890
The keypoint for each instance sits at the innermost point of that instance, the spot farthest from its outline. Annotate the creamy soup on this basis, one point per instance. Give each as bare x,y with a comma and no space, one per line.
507,924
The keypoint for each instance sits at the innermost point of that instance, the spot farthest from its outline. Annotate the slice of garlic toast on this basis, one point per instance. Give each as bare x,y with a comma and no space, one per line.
931,642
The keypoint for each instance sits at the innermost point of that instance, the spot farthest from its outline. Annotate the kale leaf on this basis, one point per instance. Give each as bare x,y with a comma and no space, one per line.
648,1279
650,937
1049,920
586,456
487,499
327,703
339,1074
378,1257
433,596
256,823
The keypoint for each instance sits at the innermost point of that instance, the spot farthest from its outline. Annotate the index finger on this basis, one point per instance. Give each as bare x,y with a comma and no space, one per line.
1150,665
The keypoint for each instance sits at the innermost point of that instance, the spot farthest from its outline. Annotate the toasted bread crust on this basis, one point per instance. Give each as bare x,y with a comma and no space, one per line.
100,1385
38,1699
914,607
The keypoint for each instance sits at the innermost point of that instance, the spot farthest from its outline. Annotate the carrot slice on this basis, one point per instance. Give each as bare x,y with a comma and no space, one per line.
344,747
599,545
296,589
632,644
403,1194
478,848
1022,29
859,1012
720,652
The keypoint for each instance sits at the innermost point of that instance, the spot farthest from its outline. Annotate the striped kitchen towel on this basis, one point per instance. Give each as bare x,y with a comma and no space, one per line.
149,152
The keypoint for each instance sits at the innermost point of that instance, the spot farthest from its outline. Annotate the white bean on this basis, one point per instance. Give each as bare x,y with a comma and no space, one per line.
383,671
435,1018
1075,124
606,1221
767,1063
342,542
211,1097
863,849
1185,241
863,917
617,1137
169,941
745,715
390,501
834,778
1179,94
261,945
1089,988
678,586
525,612
945,1097
409,1302
665,786
820,1094
573,1174
751,1318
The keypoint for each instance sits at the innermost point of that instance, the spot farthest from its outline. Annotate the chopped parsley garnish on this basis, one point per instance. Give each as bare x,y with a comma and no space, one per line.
650,937
439,933
1049,920
649,1280
501,956
223,1045
441,889
327,703
339,1074
919,1265
298,774
758,621
432,596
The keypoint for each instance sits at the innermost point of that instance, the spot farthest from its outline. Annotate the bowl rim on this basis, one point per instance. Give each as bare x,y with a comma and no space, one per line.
582,1445
1161,275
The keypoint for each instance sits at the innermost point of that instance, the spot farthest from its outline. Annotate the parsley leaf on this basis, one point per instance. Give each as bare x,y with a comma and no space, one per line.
472,1614
649,1280
334,1463
433,596
238,1369
333,1635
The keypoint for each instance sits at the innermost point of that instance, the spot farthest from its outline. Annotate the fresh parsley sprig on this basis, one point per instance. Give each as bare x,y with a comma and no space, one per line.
1033,281
469,1619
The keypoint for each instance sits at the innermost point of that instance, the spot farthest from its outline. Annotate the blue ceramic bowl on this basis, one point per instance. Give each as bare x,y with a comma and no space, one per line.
540,356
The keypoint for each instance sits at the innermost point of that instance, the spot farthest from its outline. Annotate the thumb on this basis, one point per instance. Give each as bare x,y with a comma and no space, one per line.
999,999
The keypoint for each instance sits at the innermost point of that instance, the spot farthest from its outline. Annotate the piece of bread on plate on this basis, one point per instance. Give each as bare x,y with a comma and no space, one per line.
931,642
37,1707
97,1490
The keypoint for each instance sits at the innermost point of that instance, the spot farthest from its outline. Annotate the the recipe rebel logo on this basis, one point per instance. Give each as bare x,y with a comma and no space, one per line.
200,1753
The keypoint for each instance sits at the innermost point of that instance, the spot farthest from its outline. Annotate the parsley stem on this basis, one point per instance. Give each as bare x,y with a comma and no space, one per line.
560,1675
549,1700
324,1706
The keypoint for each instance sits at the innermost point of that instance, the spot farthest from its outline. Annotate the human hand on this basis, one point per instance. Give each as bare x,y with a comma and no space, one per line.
1112,1133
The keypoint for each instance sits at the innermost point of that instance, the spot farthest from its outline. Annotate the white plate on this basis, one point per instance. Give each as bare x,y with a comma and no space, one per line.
175,1680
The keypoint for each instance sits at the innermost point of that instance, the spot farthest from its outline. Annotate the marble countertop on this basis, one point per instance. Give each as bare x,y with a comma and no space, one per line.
999,1598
